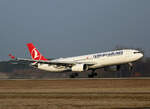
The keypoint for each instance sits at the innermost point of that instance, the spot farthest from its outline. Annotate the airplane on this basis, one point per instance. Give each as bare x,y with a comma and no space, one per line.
82,63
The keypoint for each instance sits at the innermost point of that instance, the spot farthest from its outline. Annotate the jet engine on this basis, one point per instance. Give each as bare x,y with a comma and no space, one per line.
79,67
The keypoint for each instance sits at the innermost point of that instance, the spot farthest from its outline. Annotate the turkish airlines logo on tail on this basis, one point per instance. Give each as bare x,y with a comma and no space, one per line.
35,54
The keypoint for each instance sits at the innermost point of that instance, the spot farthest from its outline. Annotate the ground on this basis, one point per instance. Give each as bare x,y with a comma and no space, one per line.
75,94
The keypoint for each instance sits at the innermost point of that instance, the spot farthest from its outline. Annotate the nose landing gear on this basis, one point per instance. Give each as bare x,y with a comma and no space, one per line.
130,67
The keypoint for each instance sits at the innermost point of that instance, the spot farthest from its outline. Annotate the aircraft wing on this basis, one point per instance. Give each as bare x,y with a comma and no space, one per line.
51,62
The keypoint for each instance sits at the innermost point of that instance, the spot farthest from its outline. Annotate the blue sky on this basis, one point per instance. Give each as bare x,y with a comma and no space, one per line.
61,28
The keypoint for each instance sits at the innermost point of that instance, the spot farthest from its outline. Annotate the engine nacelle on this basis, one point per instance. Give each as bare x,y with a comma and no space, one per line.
79,67
112,68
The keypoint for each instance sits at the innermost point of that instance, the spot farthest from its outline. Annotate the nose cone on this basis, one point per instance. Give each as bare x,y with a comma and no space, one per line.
138,54
141,55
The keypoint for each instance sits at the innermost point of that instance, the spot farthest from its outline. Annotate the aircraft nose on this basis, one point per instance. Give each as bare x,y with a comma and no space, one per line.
141,55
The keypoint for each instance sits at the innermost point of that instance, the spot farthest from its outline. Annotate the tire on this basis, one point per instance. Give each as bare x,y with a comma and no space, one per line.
91,76
74,75
95,74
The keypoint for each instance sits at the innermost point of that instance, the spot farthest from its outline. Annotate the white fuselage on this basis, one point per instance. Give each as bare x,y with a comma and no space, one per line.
99,60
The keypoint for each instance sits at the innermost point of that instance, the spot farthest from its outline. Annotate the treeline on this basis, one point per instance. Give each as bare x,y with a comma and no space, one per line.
24,71
141,68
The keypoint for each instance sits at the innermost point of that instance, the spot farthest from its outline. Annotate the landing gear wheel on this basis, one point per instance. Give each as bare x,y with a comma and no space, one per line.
93,74
130,67
74,75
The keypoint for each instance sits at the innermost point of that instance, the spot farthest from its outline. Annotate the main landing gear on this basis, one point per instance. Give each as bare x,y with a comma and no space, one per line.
92,74
74,75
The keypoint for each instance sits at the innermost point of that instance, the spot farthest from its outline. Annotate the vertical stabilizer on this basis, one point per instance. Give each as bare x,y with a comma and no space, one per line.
35,54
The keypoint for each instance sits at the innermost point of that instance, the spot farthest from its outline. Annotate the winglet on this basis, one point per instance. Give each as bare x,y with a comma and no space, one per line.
11,56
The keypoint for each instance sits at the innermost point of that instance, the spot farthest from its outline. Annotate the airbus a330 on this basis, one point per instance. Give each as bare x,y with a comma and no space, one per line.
81,63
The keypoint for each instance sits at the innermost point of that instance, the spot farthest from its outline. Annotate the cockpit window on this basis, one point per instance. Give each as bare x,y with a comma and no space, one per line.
136,52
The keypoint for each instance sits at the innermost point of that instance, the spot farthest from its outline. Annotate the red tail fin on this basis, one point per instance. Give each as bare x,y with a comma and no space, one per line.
35,54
